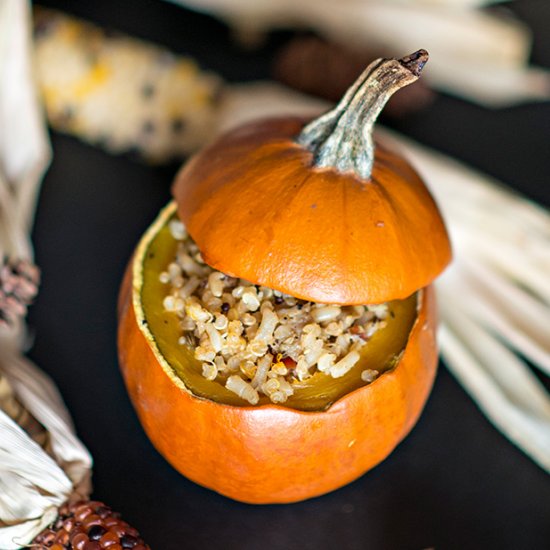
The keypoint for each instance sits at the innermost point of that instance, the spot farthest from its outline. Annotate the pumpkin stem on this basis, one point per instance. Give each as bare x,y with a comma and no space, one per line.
342,138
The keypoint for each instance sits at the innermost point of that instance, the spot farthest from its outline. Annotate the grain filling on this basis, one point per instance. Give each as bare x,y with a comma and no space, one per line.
258,341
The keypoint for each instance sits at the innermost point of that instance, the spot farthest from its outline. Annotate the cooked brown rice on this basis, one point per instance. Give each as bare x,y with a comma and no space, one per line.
256,340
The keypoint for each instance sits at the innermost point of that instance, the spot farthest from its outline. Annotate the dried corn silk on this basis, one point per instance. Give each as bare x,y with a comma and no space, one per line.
119,92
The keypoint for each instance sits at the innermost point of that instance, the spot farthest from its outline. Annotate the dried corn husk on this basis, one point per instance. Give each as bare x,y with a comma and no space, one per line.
24,149
495,298
42,463
479,55
33,482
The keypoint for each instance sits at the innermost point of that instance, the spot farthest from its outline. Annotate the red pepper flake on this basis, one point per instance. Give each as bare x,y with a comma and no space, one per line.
288,362
360,331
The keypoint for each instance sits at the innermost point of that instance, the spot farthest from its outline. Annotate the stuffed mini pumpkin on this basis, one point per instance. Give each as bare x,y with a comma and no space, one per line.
277,323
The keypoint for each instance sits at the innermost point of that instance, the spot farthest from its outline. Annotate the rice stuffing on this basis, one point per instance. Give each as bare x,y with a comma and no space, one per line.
258,341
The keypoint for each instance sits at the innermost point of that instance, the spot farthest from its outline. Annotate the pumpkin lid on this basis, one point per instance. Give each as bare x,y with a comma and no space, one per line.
320,212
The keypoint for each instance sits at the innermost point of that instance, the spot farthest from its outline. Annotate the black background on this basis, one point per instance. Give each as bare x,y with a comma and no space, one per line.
455,482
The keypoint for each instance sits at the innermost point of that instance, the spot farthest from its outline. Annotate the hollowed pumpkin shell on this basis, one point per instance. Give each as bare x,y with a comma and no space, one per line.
270,453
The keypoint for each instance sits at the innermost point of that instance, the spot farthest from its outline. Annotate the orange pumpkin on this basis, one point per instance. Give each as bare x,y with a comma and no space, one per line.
314,212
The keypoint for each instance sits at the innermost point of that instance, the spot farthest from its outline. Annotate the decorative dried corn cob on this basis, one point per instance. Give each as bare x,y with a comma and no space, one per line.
89,525
119,92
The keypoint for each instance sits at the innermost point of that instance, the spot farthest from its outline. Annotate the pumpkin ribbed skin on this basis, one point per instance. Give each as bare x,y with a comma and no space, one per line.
272,454
259,210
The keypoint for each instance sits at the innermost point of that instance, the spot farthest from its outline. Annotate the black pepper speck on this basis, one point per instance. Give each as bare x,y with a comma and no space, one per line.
147,91
148,127
178,125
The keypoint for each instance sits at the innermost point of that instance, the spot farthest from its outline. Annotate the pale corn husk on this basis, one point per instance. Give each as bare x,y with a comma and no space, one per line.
24,149
32,483
475,54
496,295
495,298
44,466
12,407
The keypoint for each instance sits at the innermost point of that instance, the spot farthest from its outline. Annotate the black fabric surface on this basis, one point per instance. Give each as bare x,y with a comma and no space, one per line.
455,482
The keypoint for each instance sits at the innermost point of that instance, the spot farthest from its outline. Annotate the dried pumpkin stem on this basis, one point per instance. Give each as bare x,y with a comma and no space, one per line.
342,138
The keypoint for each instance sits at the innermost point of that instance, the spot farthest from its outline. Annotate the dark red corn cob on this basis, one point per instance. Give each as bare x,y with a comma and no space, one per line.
89,525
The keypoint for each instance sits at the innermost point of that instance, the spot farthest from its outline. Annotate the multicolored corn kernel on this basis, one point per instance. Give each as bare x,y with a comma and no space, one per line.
89,525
